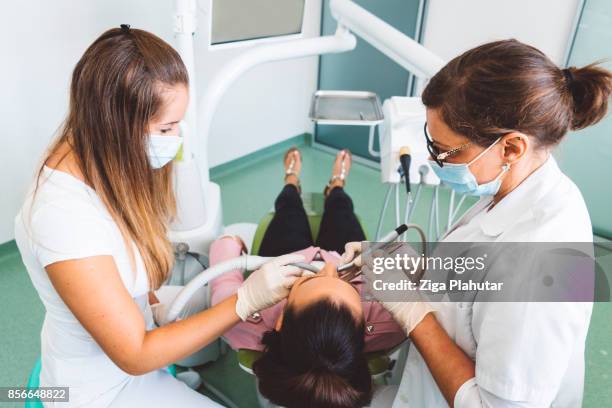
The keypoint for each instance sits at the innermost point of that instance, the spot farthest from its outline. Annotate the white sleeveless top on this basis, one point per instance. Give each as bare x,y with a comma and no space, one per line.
67,220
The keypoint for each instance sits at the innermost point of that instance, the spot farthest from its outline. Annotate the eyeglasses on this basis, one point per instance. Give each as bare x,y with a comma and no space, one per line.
438,155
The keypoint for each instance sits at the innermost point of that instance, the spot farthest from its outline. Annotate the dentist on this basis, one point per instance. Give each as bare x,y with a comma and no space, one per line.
494,114
92,233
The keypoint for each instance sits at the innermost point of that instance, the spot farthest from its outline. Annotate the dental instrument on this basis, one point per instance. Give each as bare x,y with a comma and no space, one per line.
390,237
382,211
350,271
307,266
405,158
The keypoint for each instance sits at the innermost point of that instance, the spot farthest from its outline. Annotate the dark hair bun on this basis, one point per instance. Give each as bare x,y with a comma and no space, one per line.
591,87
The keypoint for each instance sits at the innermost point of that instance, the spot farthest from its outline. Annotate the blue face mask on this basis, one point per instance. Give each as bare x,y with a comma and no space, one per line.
460,178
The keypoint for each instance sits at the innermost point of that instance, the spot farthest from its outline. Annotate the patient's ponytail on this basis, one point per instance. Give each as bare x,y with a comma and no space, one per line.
590,87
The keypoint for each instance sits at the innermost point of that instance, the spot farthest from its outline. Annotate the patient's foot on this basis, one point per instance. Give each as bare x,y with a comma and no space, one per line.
293,166
340,170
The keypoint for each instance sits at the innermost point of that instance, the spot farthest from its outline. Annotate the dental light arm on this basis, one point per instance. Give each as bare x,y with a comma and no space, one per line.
341,41
184,29
402,49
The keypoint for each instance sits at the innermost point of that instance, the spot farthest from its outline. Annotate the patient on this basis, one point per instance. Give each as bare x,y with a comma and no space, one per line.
314,343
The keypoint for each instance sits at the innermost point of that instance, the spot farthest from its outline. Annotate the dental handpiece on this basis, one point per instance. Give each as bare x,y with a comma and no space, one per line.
390,237
307,266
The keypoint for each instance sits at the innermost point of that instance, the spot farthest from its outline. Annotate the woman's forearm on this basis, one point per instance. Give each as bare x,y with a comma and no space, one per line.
167,344
448,364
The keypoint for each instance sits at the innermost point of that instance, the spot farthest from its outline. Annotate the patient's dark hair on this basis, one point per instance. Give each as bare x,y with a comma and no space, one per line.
316,360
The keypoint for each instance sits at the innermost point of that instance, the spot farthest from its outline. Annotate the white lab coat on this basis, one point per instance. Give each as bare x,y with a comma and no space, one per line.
526,354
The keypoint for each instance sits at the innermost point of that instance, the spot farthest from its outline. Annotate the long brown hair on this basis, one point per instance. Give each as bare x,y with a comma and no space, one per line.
116,90
506,86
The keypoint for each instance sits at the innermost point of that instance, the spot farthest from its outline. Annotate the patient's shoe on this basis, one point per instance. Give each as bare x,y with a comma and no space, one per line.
293,165
340,170
190,378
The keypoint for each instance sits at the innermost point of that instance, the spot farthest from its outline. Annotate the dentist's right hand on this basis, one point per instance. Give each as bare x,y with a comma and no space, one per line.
352,251
268,285
408,314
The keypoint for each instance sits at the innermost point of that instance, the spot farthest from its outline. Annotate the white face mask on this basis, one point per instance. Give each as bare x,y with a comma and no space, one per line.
162,149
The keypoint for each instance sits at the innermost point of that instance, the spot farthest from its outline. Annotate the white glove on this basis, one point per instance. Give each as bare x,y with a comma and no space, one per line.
159,311
267,285
352,250
408,314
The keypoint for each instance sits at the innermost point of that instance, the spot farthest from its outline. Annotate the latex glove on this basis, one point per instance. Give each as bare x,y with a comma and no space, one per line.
352,250
159,311
267,285
408,314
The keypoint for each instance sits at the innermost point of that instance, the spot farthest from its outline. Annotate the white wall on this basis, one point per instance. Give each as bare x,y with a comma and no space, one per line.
452,26
41,41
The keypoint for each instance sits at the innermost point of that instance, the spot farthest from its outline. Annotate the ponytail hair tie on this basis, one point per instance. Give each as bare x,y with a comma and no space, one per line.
569,77
125,28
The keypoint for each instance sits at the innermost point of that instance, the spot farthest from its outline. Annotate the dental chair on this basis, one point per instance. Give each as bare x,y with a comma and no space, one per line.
380,363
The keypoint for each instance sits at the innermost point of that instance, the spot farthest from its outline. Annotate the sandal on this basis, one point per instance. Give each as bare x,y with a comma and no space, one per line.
343,172
290,169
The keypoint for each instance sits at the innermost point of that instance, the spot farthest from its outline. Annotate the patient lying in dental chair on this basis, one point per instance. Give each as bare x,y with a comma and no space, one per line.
313,343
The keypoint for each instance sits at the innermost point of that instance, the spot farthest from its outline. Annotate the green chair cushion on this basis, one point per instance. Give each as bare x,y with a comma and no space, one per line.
313,219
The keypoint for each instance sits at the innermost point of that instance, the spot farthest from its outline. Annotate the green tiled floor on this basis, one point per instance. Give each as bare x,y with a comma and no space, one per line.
246,196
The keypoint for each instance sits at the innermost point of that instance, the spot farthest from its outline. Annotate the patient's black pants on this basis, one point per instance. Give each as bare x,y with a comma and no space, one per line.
289,230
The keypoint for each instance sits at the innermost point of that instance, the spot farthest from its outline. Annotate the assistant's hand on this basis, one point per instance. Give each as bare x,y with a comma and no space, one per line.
267,285
159,311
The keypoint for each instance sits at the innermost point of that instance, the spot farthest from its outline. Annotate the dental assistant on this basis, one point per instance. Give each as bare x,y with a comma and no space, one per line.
494,114
92,234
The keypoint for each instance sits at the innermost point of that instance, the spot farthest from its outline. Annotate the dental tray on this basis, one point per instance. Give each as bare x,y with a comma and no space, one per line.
346,108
